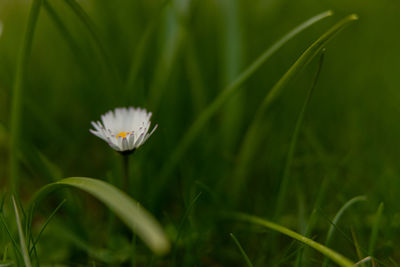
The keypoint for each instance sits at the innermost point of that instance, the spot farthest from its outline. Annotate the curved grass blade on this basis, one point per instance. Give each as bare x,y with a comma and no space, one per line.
246,258
283,188
336,219
128,210
24,249
374,233
250,140
333,255
86,20
228,92
16,104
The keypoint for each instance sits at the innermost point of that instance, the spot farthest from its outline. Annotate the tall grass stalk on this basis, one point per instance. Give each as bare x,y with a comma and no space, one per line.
232,56
24,249
250,141
283,188
19,84
333,255
226,94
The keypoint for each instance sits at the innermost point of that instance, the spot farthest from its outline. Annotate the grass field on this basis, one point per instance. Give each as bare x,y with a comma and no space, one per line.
277,140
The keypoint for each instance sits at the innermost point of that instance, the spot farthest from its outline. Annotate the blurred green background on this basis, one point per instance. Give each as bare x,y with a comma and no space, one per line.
189,51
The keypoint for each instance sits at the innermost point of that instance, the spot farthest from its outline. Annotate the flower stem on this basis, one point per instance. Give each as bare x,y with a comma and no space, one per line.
125,177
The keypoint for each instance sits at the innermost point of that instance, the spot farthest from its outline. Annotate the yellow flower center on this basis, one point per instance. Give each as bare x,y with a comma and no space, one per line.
122,134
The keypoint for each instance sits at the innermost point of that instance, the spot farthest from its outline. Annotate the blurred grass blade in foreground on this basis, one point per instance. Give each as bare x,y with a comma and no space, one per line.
128,210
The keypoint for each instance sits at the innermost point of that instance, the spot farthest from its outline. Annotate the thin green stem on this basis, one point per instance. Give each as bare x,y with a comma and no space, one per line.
293,142
336,219
19,83
34,243
246,258
13,241
125,174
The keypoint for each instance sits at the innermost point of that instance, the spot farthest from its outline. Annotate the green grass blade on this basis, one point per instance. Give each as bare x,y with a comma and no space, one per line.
375,229
86,20
356,245
283,188
250,140
333,255
232,62
24,249
339,214
7,229
128,210
228,92
336,219
45,224
16,104
246,258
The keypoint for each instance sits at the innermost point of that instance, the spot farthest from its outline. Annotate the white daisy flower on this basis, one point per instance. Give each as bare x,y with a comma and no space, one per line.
124,129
